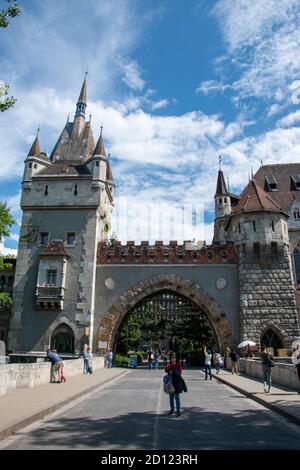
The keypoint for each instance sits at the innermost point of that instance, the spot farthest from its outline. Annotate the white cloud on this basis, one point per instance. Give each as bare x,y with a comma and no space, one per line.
132,74
289,120
263,39
212,86
4,251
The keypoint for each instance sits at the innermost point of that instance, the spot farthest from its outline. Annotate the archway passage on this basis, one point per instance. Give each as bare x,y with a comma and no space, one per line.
163,322
108,328
62,339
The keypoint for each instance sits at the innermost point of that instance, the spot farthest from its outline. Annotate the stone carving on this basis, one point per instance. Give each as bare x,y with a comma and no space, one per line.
221,283
109,283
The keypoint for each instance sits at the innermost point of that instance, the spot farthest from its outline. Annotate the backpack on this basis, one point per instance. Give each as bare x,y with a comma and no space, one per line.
167,383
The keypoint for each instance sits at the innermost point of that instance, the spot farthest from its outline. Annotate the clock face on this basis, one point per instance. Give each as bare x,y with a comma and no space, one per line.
221,283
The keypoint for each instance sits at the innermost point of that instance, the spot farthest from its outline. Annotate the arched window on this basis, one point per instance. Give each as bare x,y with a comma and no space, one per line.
63,339
271,340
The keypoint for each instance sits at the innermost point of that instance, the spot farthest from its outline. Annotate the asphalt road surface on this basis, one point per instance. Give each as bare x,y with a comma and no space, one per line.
131,413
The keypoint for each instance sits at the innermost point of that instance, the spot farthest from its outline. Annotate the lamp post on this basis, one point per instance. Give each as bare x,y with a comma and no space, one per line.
173,342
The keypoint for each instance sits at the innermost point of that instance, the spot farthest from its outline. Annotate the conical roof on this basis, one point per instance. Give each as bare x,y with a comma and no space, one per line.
35,148
100,149
254,198
221,185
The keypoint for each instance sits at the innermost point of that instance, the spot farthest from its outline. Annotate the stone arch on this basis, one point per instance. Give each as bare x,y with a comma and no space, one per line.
54,325
215,314
282,335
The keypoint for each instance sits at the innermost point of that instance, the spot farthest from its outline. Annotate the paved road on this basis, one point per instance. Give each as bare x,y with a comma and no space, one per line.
131,413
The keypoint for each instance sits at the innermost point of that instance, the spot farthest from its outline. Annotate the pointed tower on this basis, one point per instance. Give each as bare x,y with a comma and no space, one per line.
35,162
222,207
66,203
76,143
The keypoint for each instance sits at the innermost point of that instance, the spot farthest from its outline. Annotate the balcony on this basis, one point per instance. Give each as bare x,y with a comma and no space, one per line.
50,297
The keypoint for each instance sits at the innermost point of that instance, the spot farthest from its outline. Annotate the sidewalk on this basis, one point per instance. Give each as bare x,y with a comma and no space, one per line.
23,406
283,400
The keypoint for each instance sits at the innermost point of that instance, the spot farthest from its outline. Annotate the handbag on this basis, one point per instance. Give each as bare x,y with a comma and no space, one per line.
168,386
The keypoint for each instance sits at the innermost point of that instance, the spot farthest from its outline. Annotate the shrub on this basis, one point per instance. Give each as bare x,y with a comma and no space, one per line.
121,361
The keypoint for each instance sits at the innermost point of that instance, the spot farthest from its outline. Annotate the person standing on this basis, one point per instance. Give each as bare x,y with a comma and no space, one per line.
296,361
85,360
267,364
174,369
150,358
207,363
234,358
217,361
109,358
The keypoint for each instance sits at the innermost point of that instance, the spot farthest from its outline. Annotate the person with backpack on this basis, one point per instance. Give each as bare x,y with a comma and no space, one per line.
207,363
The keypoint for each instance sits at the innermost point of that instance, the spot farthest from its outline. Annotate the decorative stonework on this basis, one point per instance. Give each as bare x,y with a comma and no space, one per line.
109,283
221,283
159,253
215,315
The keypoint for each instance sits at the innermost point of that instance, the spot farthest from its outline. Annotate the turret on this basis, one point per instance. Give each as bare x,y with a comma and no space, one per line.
34,163
257,225
222,207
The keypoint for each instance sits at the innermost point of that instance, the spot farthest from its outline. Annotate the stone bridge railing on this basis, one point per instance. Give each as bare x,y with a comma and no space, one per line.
173,253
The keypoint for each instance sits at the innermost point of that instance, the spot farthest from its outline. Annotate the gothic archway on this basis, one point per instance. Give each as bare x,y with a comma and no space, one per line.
47,339
63,339
214,313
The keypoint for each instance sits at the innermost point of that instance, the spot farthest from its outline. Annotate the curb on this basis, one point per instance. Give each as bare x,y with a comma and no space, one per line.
41,414
266,404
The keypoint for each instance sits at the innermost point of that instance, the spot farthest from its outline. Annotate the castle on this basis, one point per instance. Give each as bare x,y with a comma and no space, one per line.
71,285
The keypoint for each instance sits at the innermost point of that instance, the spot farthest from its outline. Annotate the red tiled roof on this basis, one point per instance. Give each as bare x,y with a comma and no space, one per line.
281,173
54,248
254,198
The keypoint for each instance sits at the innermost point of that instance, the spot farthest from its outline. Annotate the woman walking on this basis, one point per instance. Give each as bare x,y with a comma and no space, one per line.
267,364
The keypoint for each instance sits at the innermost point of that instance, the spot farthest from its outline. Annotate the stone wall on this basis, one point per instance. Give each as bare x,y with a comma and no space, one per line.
282,374
267,298
30,375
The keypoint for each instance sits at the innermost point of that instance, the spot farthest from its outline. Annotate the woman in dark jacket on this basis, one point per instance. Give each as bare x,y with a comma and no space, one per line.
174,369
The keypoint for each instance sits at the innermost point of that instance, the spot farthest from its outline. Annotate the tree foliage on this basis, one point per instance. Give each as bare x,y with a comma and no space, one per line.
5,300
6,14
6,221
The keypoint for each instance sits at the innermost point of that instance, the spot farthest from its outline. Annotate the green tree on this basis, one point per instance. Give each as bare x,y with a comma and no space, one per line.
6,221
6,14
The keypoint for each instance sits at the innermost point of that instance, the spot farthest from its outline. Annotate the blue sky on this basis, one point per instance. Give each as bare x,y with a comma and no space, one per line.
174,83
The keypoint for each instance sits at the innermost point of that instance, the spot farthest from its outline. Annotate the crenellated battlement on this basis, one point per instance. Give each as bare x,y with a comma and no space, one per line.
172,253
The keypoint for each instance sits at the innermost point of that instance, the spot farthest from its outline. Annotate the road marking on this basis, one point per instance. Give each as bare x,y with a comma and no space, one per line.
157,414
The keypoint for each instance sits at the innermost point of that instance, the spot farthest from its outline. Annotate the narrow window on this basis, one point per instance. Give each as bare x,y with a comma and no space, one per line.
46,190
273,228
35,166
44,237
51,276
256,250
220,201
274,249
254,226
75,190
70,238
239,228
30,165
97,163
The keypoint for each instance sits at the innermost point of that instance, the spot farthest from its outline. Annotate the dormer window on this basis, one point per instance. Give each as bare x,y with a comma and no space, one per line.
270,184
295,183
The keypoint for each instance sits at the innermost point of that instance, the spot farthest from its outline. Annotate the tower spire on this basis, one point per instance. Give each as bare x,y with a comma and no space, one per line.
81,103
100,149
35,148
